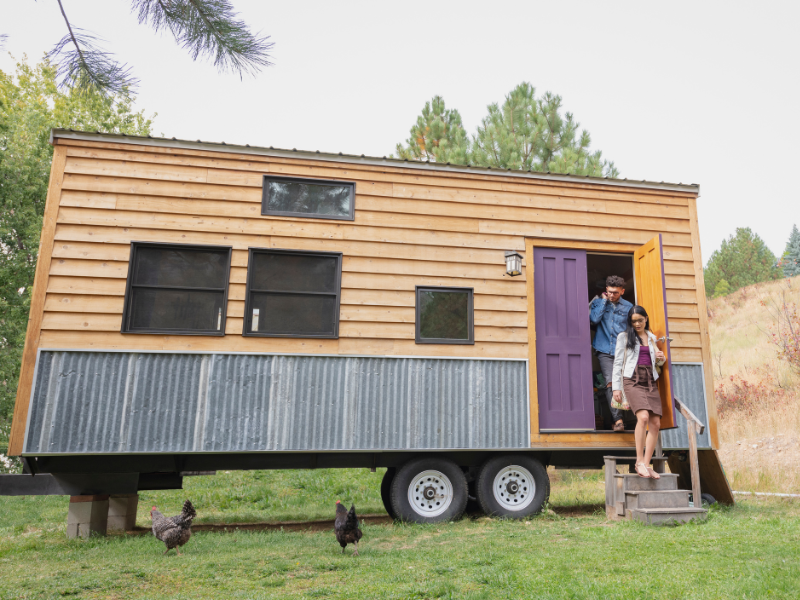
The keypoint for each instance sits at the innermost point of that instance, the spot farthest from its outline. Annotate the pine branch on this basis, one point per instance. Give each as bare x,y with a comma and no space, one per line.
83,65
208,28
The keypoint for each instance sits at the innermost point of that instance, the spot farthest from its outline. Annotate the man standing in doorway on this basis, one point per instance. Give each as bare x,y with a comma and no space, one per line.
610,313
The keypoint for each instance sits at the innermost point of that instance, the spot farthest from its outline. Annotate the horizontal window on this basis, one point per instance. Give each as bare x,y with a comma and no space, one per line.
444,315
293,294
176,289
315,198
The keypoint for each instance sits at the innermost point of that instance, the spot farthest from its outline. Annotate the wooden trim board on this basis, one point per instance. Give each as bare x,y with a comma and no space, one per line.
37,302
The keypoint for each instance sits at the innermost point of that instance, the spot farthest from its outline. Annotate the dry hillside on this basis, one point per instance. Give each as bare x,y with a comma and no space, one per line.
757,393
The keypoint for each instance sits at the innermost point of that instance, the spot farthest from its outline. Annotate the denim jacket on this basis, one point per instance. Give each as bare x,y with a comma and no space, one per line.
611,320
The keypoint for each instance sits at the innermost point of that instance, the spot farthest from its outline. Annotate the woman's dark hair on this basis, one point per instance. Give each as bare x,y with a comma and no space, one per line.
630,331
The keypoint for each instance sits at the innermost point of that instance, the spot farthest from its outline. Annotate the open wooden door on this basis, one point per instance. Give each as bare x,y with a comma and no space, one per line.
651,293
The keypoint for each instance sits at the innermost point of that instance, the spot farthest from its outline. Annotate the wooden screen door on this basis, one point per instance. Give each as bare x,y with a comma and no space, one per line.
563,340
651,293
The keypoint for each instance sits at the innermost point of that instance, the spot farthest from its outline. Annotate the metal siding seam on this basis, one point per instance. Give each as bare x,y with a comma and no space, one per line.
48,399
130,383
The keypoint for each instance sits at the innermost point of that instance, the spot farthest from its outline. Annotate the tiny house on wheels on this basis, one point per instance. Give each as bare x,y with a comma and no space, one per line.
201,306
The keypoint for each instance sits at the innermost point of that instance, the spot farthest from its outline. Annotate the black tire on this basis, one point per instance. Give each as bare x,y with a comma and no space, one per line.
707,499
447,508
473,508
386,491
515,488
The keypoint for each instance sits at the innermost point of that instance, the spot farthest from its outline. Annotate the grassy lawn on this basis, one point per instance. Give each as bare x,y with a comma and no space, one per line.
571,551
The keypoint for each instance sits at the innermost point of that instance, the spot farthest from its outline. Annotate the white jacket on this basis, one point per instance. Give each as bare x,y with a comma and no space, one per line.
632,358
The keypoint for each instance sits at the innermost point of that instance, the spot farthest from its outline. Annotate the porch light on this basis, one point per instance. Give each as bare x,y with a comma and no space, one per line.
513,263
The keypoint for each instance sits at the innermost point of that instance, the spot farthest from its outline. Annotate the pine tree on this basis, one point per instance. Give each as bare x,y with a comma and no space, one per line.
722,289
526,133
743,259
437,136
790,261
206,28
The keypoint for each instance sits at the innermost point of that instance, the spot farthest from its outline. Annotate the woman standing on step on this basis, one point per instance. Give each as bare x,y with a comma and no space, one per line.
637,363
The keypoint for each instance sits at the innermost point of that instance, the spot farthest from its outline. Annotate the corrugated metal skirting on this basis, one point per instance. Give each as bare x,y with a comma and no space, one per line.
689,388
104,402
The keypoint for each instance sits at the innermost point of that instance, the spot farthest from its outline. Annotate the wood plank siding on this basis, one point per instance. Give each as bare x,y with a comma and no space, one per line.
411,227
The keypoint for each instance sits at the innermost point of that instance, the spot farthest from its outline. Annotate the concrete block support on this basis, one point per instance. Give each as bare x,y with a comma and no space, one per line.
122,511
87,515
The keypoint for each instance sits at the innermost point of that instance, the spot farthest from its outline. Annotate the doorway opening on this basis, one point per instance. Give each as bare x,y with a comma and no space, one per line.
598,267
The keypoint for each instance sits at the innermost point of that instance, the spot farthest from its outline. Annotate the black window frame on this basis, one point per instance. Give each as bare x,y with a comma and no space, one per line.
281,213
125,328
470,315
248,312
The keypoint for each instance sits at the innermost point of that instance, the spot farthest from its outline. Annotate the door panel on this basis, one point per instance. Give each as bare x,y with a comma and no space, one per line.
651,293
563,342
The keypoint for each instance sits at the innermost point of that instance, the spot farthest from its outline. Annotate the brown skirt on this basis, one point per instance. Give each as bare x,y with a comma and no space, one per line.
641,390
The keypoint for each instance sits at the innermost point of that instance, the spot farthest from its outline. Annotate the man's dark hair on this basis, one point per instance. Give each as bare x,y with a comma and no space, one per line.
615,281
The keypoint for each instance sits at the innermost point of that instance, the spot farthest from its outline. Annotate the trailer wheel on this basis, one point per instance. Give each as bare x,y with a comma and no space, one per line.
386,491
429,490
514,486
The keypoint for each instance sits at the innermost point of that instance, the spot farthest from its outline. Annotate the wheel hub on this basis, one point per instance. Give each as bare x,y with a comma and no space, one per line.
430,493
513,488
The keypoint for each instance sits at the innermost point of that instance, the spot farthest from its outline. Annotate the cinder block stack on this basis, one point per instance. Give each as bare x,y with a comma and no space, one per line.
87,515
122,512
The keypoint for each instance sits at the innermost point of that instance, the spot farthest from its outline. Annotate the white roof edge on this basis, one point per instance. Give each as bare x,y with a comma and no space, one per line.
69,134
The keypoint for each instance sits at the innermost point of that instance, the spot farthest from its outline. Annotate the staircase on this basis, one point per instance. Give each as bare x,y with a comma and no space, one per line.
651,501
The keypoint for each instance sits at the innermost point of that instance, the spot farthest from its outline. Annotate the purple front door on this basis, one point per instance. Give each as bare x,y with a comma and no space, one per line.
563,341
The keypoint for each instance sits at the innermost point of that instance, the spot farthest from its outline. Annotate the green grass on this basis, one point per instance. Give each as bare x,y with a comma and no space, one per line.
750,551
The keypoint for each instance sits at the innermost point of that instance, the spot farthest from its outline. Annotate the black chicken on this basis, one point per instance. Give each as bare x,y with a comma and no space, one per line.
346,527
173,531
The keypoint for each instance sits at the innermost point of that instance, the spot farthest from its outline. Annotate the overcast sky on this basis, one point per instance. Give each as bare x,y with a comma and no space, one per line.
690,92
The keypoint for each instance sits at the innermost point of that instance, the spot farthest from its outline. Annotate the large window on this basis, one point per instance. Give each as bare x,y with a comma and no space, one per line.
293,294
444,316
317,198
176,289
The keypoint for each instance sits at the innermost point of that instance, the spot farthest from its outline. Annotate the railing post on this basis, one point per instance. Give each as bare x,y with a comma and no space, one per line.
692,432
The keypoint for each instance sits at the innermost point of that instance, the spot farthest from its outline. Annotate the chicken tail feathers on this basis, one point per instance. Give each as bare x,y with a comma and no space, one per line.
352,519
188,511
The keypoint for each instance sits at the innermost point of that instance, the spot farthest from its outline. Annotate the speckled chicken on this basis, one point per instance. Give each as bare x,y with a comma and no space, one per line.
173,531
346,527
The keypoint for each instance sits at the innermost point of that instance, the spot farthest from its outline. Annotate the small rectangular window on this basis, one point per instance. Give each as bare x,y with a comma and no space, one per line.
314,198
176,289
292,293
444,316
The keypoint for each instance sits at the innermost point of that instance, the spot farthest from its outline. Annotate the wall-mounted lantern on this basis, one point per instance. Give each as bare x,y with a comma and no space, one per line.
513,263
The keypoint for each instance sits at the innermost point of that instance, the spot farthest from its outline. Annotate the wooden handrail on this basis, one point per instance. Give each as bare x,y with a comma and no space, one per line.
693,427
684,410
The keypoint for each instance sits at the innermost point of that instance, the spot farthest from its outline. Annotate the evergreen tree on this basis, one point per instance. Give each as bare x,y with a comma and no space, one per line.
207,28
30,105
525,133
743,259
722,289
437,136
791,256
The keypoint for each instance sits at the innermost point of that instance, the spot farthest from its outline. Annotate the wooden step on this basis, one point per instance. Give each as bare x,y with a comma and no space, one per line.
633,458
667,516
630,482
657,499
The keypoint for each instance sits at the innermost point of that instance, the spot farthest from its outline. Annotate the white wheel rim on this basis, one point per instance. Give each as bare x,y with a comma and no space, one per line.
514,488
430,493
